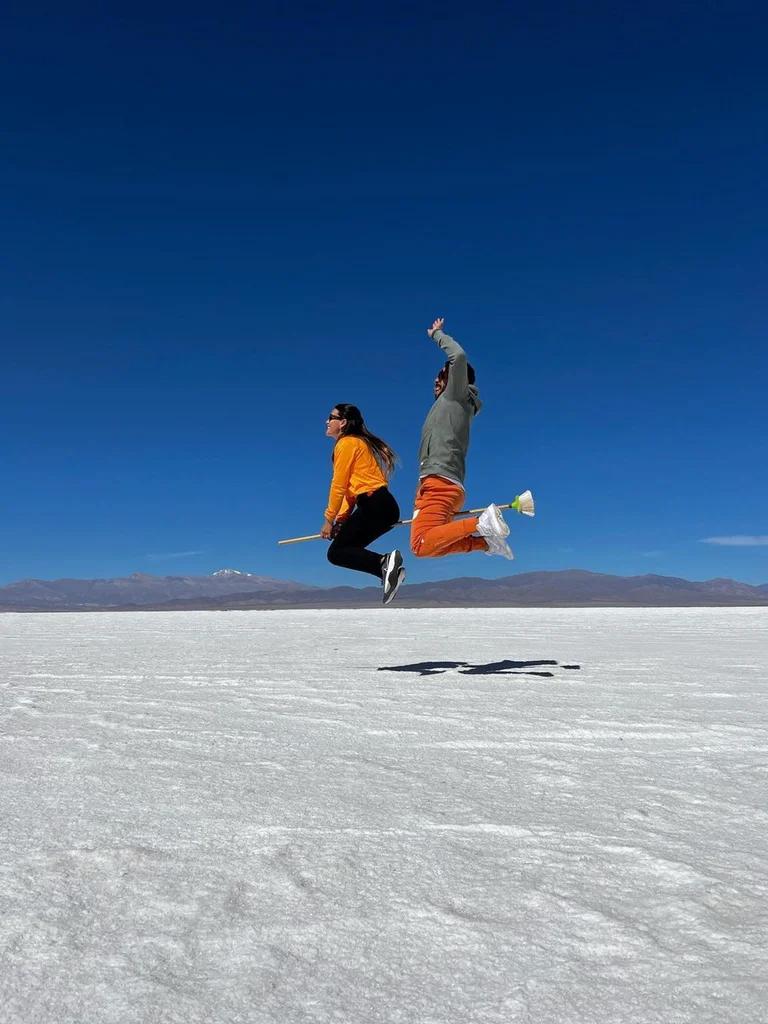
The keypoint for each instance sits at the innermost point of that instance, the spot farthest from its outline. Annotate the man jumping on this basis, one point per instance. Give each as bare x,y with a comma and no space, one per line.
442,458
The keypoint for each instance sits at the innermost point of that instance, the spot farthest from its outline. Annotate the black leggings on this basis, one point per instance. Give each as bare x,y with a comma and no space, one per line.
373,515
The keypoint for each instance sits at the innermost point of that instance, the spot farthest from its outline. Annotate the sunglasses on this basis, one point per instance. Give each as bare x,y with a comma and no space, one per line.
332,417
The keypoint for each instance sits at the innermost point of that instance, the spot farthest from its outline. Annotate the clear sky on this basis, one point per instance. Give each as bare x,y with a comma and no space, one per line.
218,222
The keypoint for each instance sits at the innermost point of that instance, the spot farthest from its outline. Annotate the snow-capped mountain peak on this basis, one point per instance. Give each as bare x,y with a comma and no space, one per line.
230,572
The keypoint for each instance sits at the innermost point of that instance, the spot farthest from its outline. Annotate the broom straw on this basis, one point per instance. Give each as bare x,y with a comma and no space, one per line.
523,503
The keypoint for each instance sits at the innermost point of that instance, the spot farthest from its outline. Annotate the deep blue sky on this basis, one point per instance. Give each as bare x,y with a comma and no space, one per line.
218,222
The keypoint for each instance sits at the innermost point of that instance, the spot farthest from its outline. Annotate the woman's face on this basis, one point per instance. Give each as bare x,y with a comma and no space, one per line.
334,425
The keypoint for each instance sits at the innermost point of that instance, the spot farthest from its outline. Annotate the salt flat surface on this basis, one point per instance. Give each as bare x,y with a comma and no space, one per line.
240,817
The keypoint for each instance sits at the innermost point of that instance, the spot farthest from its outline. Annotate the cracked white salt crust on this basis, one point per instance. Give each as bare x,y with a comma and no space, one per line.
240,817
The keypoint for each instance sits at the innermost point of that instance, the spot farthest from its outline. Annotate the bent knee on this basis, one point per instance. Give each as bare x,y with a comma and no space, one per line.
417,547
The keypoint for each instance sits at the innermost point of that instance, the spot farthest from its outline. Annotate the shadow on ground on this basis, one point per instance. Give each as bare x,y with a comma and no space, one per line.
493,668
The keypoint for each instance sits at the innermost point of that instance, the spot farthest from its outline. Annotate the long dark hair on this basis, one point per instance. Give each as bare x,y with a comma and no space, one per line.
356,427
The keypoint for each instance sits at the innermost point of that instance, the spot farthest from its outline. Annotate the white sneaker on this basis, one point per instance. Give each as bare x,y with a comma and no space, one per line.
493,527
393,574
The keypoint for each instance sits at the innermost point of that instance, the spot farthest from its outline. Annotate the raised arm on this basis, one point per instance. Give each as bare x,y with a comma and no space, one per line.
457,357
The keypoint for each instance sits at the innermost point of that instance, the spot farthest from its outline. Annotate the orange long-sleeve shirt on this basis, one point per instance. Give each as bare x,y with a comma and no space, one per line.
355,471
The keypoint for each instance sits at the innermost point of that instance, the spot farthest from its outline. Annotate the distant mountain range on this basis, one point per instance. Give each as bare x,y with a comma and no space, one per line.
233,589
138,590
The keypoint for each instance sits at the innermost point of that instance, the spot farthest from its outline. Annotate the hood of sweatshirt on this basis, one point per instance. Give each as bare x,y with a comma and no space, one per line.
474,397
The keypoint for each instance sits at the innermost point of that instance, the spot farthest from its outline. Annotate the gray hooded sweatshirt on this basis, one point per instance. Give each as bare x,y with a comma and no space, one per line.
445,434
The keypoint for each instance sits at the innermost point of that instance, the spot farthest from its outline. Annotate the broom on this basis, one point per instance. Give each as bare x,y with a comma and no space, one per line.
523,504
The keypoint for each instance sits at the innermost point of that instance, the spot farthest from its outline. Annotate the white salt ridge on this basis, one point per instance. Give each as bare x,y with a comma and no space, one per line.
236,817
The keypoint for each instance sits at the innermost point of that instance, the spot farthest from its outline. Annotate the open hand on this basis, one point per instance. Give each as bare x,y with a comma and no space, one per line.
436,326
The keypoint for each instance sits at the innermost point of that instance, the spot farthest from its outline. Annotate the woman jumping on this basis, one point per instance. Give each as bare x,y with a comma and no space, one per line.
360,506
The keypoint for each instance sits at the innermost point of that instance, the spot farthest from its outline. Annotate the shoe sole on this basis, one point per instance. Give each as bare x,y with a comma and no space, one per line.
497,546
501,524
390,595
393,563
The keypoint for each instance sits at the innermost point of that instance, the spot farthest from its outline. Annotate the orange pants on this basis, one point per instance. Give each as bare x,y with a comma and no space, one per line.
434,531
